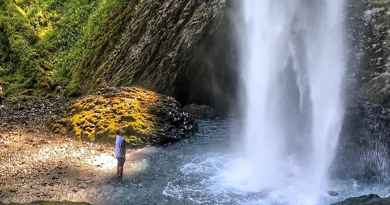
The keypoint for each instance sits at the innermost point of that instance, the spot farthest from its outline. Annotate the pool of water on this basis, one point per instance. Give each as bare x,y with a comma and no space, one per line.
194,171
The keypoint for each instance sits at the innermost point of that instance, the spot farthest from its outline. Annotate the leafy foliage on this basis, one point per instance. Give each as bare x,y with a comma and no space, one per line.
43,42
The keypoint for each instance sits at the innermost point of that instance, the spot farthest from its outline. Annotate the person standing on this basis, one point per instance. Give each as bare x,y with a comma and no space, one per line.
1,93
120,152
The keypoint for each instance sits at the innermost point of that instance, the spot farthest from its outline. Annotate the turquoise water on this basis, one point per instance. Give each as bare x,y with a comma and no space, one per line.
194,171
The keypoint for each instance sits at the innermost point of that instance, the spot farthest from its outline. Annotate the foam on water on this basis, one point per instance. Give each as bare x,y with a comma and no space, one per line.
206,181
293,65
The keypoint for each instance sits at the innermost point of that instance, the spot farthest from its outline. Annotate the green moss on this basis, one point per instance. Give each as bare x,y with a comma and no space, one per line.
43,42
134,140
99,117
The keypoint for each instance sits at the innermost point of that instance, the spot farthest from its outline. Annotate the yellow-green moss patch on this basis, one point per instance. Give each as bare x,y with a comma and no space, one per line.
147,117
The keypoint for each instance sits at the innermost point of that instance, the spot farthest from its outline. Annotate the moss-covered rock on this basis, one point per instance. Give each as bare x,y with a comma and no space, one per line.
147,117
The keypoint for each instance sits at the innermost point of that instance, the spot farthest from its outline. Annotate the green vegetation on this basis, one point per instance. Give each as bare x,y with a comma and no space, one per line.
145,116
43,42
99,117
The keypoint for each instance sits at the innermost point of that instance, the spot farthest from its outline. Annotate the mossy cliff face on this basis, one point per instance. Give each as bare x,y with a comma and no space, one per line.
43,41
146,117
182,48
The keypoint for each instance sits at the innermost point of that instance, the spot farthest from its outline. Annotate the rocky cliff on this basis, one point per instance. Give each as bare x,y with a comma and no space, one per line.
182,48
366,133
370,41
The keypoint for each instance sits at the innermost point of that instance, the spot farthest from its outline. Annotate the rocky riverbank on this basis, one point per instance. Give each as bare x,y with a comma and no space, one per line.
36,164
39,162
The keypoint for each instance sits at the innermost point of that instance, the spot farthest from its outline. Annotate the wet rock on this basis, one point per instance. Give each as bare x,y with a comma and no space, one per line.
364,148
363,151
333,193
147,117
369,36
371,199
200,111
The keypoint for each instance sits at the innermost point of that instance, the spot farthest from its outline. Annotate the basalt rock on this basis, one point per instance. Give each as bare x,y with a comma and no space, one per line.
200,111
145,116
369,34
364,150
182,48
376,67
365,200
364,145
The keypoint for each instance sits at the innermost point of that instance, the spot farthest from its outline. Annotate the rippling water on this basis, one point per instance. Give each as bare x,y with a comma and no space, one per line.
194,172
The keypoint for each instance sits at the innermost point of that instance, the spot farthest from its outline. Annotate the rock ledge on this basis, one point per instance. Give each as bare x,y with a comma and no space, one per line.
371,199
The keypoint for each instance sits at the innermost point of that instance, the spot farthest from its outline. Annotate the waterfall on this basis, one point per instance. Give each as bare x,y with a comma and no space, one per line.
293,64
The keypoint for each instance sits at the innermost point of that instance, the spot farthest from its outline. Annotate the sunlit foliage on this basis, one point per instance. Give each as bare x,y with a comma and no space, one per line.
43,41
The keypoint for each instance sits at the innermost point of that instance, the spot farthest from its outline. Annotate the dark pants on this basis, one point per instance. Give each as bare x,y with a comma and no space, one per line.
119,171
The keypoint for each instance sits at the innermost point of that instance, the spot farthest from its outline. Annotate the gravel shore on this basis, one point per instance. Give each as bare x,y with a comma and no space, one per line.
36,164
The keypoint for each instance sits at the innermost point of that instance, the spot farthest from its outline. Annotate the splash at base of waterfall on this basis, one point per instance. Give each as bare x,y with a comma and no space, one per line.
293,64
209,179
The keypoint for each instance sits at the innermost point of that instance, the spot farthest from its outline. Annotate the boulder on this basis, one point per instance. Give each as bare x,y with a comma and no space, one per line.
371,199
148,118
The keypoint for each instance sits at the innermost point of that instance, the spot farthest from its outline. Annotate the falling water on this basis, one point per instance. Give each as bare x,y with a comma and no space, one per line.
294,63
